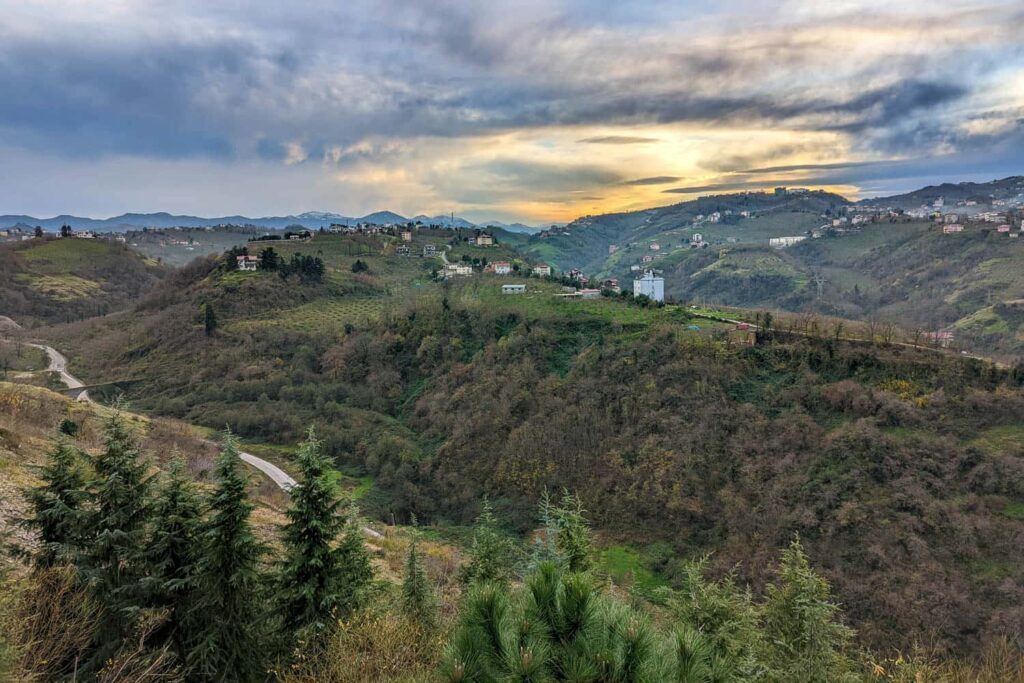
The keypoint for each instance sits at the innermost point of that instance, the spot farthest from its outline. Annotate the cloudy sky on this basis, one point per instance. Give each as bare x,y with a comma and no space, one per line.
534,110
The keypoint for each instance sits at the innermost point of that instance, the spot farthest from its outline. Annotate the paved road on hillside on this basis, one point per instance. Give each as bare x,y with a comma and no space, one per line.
59,364
276,474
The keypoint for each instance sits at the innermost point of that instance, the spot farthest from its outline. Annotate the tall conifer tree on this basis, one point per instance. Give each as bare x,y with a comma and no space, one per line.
418,600
172,554
115,533
319,580
227,622
57,506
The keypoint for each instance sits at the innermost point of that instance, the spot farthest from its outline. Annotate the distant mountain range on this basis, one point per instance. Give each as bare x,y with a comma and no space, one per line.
310,219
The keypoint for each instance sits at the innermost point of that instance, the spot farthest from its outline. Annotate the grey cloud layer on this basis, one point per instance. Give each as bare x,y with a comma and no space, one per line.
182,79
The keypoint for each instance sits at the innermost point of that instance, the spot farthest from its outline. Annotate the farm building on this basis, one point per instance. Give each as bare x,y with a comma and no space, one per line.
513,289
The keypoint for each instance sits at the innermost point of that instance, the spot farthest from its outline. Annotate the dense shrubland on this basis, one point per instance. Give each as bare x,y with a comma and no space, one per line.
143,576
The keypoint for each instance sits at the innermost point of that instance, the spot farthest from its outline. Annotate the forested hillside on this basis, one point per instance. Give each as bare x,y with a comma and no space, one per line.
47,280
900,469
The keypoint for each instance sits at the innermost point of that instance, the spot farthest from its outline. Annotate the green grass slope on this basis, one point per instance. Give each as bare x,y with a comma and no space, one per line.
55,280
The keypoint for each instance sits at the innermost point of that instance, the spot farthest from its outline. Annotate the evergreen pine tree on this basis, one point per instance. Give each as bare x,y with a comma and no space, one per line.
57,506
226,623
557,628
316,585
172,554
418,600
491,552
805,641
115,533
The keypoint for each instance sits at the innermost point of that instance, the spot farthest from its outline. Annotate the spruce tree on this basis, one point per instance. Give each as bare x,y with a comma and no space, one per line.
355,569
491,552
316,585
115,532
805,640
227,622
573,537
565,536
57,506
172,554
418,600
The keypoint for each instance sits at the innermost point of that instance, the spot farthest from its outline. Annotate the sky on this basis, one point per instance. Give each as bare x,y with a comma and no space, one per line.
533,111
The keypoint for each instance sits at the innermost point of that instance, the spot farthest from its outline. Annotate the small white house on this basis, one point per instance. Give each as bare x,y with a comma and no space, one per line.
513,289
542,270
650,285
485,240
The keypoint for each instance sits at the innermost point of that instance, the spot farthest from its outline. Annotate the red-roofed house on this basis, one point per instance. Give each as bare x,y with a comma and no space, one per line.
250,263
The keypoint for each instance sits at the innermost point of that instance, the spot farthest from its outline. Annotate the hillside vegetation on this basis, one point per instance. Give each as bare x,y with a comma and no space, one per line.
895,268
47,280
900,469
584,242
132,573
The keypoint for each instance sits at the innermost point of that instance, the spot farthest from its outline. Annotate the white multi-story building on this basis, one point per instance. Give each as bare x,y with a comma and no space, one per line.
650,285
783,242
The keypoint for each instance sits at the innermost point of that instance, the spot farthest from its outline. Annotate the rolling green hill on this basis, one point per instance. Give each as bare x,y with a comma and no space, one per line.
54,280
585,242
890,268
